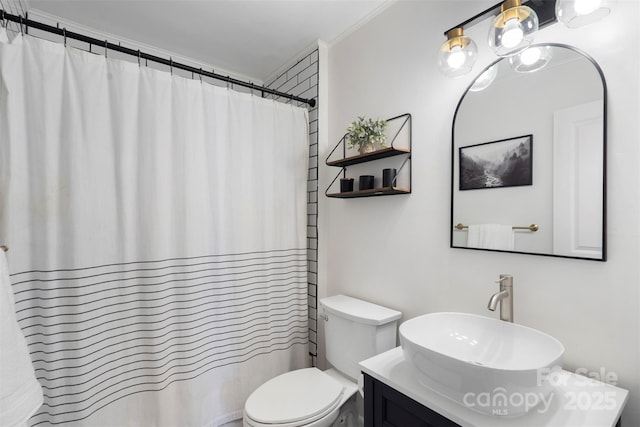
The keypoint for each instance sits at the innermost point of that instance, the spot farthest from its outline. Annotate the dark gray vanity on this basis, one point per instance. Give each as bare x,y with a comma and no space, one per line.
385,406
395,395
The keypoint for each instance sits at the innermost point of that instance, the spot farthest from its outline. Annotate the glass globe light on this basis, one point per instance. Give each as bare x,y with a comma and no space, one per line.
513,29
457,55
577,13
531,59
485,79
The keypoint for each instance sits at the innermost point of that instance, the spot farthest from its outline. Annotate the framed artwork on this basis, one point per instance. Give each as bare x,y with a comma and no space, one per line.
503,163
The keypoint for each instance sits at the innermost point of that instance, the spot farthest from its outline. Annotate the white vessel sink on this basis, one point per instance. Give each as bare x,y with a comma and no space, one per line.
491,366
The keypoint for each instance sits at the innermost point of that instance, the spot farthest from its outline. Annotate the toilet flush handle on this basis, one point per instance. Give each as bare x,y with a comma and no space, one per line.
324,317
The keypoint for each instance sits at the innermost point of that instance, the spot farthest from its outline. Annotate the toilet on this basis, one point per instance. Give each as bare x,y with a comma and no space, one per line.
355,330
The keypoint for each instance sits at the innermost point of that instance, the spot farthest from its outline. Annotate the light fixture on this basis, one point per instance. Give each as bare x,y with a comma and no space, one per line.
531,59
513,29
458,54
485,79
577,13
512,32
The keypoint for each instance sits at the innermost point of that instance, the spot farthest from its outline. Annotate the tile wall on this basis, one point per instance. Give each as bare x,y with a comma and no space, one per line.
301,79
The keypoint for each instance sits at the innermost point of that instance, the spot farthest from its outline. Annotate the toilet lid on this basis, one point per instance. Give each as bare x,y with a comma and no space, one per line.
294,396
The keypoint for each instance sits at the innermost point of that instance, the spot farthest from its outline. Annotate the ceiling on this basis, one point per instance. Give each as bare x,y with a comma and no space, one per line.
251,38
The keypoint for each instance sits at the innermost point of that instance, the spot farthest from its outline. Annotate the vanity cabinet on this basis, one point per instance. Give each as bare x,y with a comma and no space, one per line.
401,129
394,396
386,407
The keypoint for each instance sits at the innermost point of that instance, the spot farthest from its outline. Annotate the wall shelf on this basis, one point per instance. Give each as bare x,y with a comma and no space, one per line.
384,191
379,154
402,126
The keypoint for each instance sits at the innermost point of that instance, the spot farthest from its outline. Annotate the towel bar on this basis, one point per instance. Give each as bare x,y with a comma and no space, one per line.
532,227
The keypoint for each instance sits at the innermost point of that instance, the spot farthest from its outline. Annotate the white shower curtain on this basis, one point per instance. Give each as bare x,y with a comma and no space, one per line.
157,228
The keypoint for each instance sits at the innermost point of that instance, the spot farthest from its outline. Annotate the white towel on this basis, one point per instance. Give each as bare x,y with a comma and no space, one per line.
491,236
20,392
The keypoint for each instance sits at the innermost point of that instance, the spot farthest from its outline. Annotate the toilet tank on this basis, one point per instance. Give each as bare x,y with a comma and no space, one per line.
355,330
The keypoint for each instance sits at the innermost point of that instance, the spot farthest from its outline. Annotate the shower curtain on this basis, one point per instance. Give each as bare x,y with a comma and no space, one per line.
157,233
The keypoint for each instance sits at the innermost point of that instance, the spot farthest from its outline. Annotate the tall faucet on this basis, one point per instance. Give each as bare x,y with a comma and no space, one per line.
504,297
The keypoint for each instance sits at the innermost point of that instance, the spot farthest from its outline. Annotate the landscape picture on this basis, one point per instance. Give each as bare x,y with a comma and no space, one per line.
504,163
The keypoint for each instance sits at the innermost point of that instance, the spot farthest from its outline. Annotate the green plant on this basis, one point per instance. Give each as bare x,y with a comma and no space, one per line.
363,131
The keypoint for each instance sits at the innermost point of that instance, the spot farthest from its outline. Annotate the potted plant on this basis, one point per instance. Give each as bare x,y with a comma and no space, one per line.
365,134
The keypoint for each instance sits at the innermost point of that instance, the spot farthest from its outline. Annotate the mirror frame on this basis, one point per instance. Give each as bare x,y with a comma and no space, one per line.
604,160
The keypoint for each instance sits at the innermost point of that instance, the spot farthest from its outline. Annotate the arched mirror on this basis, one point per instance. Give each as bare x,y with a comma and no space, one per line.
528,157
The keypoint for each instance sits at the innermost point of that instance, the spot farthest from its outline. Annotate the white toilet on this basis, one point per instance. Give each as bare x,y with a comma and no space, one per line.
354,331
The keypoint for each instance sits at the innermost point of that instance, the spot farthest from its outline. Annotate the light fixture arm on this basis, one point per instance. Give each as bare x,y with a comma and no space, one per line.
545,9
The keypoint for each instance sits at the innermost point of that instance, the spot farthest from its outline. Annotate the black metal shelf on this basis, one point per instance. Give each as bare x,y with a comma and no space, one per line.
382,153
383,191
375,155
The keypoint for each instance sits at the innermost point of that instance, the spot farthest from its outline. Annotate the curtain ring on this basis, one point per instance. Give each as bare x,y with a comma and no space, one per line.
200,74
139,62
106,47
171,65
64,35
21,27
4,22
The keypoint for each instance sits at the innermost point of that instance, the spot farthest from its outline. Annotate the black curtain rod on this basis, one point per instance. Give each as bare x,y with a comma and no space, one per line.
142,55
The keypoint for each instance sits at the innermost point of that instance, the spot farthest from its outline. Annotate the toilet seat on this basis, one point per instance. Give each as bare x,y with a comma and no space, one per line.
303,396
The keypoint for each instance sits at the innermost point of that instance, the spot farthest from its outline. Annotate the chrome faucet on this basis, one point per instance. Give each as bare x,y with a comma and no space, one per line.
504,297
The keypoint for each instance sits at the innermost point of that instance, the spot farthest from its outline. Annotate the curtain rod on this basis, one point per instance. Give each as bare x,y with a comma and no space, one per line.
142,55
